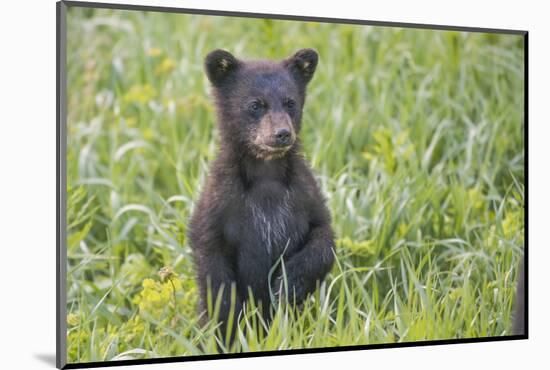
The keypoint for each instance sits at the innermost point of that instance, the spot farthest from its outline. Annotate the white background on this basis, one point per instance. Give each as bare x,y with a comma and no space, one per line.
27,182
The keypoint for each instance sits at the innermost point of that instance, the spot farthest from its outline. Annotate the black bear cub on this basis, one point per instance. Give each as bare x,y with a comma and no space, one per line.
261,203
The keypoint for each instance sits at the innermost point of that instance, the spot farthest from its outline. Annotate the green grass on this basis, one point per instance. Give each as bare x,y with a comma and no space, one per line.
416,137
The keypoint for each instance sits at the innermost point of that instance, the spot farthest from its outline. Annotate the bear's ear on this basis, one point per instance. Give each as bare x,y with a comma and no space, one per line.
302,64
219,65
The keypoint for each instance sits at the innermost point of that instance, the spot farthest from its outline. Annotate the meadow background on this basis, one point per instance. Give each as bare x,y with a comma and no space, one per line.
416,137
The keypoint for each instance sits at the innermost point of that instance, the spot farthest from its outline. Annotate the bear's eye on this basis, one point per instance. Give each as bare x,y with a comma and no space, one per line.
256,106
289,103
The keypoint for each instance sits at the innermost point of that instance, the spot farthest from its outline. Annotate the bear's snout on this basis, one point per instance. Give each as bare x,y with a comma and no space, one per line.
277,130
274,136
283,137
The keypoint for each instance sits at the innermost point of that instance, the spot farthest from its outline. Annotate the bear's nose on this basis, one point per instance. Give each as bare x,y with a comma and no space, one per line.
282,136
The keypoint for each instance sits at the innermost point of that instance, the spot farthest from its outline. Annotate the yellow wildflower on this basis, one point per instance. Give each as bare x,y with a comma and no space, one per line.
165,67
154,52
140,94
148,134
73,319
130,121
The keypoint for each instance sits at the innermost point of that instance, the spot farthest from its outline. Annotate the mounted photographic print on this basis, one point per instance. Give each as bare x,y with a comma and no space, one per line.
237,184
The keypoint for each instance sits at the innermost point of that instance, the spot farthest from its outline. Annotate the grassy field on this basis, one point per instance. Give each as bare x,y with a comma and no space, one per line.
416,137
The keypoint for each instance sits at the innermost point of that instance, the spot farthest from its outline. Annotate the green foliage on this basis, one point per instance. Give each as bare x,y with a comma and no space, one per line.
416,137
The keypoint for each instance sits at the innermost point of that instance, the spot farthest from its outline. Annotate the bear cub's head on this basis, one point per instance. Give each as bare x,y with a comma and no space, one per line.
259,103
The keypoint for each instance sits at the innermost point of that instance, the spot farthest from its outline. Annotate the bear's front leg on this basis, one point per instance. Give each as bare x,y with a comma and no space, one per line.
311,264
217,278
253,268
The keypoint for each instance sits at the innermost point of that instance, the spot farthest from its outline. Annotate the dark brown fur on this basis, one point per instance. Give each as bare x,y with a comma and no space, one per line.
260,201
